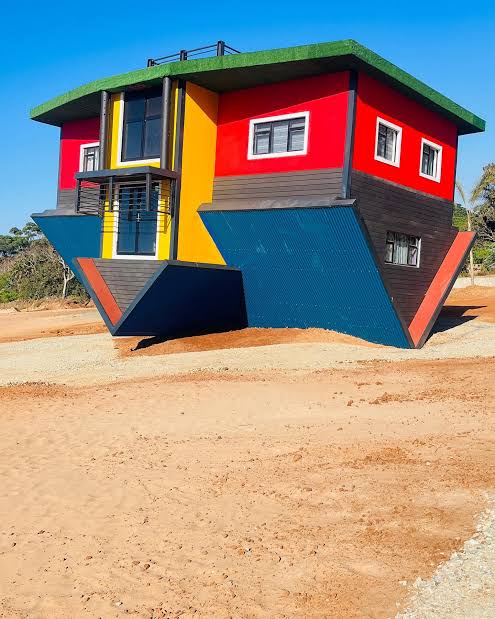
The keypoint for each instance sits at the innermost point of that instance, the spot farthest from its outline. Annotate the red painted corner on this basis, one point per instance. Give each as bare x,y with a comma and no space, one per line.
440,287
100,288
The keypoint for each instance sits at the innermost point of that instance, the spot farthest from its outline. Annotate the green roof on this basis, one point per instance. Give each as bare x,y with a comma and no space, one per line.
224,73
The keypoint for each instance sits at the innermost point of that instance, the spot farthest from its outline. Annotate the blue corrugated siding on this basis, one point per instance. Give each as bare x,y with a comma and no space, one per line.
182,300
307,267
73,236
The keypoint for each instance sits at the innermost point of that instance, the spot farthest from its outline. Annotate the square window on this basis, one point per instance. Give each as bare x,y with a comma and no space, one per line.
431,160
402,249
388,142
89,157
278,136
142,125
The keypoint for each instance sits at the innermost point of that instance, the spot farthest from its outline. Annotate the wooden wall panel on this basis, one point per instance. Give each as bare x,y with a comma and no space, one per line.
327,182
385,206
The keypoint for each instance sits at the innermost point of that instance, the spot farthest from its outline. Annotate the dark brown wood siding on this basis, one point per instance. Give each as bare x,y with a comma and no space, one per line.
385,206
327,182
126,278
66,198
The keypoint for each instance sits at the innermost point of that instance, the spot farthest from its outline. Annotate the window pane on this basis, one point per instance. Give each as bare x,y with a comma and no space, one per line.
386,146
296,139
429,161
297,123
401,249
389,252
154,105
382,139
391,144
261,143
280,136
413,256
134,108
152,137
133,138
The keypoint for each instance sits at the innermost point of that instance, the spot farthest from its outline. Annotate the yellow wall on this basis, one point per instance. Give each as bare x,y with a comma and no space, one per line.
198,170
110,220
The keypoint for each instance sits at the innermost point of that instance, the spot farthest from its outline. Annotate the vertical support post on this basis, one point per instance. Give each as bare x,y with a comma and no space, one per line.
105,98
349,136
179,144
165,145
220,48
110,194
78,195
148,191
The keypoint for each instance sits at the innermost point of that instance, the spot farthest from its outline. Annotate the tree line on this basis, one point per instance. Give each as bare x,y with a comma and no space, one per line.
31,269
477,212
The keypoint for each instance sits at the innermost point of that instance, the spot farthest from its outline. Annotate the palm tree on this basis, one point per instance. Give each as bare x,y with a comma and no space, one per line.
468,205
486,180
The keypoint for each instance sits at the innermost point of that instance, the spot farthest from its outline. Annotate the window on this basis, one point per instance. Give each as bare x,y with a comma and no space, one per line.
89,158
278,136
402,249
431,160
142,125
388,142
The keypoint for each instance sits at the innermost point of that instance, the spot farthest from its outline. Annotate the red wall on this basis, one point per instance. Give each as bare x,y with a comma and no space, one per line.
376,99
72,136
324,96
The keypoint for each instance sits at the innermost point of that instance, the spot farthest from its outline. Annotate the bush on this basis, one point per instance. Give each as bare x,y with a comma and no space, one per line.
30,269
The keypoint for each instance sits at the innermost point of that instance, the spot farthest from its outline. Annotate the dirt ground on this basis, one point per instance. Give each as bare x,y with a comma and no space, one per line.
319,493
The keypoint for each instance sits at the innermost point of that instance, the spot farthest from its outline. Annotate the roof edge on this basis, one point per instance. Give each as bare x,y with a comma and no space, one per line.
468,121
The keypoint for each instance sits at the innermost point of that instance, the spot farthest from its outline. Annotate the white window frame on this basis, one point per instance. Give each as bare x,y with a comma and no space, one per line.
134,162
437,178
81,153
293,153
399,264
398,145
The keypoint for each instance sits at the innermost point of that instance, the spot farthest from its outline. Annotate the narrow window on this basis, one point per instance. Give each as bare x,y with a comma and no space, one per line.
402,249
431,160
279,136
90,155
388,142
142,130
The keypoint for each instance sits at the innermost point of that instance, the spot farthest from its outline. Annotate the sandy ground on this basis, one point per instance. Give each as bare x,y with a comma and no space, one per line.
318,478
20,326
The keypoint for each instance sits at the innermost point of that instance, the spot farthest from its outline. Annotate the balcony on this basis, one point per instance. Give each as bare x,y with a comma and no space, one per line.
142,191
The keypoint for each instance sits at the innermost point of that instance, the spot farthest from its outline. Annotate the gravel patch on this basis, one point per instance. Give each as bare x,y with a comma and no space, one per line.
92,359
464,586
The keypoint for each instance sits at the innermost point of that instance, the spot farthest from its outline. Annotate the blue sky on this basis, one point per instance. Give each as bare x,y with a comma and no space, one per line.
49,48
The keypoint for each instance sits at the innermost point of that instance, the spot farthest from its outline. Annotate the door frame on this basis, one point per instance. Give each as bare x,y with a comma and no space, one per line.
116,215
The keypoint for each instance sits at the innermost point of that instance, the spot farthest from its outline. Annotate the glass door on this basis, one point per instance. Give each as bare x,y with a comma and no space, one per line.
137,226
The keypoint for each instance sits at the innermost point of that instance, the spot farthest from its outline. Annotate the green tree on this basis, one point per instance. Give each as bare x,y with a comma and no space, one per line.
31,269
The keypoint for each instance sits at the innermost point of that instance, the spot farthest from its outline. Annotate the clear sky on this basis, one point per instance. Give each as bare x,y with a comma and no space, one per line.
47,48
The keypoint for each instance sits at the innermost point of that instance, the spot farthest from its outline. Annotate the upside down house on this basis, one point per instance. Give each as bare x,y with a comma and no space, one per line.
311,186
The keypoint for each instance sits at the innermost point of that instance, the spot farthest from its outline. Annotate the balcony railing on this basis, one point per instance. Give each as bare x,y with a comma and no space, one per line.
141,192
220,48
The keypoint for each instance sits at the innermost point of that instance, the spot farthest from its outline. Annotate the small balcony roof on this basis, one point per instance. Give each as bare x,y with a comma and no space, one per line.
123,174
232,72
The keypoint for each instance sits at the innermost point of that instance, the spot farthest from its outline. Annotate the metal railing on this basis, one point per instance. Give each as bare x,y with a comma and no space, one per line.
135,198
220,48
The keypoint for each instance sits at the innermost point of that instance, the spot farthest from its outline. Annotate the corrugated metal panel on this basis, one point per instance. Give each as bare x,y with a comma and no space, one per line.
307,268
73,236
